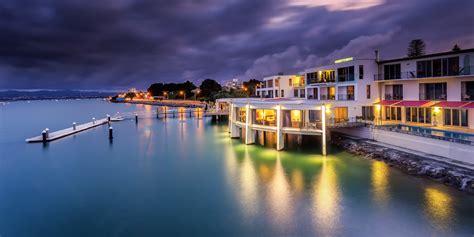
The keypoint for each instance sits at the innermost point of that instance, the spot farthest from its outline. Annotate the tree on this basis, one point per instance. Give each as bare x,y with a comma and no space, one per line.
130,95
209,88
456,48
416,48
250,86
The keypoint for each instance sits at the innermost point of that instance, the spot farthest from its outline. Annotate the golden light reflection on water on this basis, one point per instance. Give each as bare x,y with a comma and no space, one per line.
439,208
326,200
380,173
297,180
279,195
248,186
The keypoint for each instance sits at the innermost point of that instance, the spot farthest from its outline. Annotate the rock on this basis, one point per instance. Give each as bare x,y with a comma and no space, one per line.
458,177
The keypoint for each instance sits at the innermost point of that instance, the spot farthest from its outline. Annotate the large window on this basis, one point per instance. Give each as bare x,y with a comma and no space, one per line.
295,92
393,113
433,91
327,76
311,77
265,117
368,112
418,115
392,71
345,74
438,67
276,93
367,91
467,90
302,93
456,117
361,72
270,83
282,93
242,115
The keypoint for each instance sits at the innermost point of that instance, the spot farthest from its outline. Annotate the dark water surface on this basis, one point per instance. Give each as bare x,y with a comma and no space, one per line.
186,177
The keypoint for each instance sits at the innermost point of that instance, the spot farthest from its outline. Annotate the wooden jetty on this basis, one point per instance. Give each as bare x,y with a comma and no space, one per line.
69,131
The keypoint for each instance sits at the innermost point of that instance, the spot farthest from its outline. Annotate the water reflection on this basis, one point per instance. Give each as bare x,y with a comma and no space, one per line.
279,196
248,186
297,180
326,199
380,187
439,208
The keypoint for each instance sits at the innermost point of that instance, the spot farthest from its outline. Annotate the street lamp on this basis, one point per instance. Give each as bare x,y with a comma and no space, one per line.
182,93
165,94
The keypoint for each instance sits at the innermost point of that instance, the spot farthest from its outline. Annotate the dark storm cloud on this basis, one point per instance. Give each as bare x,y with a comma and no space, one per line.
122,43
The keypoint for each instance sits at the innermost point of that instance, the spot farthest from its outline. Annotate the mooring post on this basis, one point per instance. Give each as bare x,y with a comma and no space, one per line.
111,133
136,118
74,126
44,135
190,113
108,118
47,132
93,120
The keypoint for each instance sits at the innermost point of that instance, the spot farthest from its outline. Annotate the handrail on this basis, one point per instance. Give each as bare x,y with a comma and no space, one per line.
463,71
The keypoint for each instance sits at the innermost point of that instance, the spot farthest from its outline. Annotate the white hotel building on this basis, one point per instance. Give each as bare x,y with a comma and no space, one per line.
424,103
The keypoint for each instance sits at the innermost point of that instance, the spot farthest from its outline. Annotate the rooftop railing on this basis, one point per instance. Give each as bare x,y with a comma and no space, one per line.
465,71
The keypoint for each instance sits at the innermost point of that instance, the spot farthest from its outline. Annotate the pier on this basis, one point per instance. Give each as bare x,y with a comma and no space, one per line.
46,136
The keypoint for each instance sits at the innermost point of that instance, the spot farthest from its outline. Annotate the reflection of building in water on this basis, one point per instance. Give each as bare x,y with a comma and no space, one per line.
439,208
380,173
327,200
297,180
279,195
248,186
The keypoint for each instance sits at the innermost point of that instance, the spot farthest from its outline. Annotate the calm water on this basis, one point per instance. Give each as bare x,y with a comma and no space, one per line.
186,177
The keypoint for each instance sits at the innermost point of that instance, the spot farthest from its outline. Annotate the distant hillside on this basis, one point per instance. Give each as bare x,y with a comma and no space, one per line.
10,95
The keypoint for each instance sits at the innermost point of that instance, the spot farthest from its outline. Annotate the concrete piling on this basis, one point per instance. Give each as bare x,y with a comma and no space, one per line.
111,133
136,118
44,136
47,132
108,118
74,126
93,120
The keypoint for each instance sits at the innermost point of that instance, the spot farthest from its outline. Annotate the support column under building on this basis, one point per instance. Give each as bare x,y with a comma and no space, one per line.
280,137
249,132
323,125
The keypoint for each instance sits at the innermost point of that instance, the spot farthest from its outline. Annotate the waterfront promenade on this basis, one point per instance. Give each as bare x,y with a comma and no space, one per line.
171,103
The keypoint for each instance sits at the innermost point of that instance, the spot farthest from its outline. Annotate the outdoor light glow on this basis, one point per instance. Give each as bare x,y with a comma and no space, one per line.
436,110
342,60
295,115
377,107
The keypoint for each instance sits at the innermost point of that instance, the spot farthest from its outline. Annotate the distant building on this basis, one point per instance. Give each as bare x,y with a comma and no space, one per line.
233,84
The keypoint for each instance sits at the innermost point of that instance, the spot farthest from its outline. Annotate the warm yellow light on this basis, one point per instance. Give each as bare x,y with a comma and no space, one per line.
181,92
377,107
344,60
328,109
436,110
295,115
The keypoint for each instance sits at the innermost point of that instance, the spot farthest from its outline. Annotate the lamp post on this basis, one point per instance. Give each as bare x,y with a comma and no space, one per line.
165,94
183,94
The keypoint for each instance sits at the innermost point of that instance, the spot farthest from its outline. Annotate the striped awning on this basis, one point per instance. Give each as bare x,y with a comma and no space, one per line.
387,102
451,104
414,103
469,106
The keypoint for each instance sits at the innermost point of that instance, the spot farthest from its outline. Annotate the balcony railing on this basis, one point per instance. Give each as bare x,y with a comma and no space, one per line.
328,97
429,96
345,97
393,97
465,71
467,97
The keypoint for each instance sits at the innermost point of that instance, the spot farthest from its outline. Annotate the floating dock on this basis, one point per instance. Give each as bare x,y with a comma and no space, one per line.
69,131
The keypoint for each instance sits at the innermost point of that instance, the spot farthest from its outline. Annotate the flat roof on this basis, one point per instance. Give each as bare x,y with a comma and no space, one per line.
428,55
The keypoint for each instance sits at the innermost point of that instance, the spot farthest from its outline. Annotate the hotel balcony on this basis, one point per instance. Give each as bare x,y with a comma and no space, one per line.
465,71
345,97
328,97
393,97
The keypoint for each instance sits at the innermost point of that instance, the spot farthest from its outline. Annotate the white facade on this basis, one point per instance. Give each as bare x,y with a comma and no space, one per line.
282,86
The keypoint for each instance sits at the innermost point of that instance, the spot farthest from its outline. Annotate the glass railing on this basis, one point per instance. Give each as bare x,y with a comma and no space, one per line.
430,96
467,97
393,97
416,75
345,97
328,97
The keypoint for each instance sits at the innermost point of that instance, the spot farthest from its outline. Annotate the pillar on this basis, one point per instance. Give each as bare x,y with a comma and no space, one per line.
280,137
323,125
234,129
249,132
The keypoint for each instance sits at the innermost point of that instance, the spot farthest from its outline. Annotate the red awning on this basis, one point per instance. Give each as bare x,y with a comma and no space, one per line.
388,102
469,106
414,103
450,104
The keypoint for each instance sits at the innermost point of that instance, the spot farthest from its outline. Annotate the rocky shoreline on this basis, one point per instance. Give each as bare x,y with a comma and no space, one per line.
455,176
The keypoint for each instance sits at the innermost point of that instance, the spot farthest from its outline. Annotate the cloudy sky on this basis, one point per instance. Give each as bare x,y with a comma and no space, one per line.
114,44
